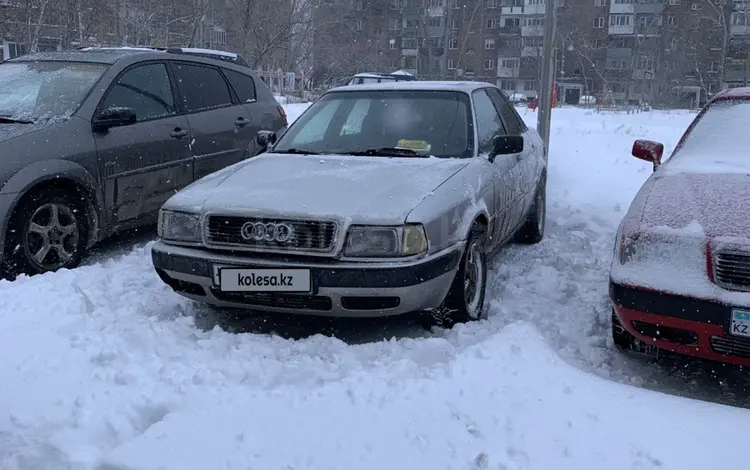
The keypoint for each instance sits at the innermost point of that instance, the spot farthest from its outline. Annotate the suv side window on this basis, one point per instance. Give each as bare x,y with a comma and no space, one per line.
202,87
146,89
243,85
512,120
488,120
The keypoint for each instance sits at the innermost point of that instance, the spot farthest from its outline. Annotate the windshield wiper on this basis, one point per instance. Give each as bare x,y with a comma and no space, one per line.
10,120
387,152
296,152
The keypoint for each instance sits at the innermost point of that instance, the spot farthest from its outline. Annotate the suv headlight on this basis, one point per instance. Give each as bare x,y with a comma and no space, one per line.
385,242
179,226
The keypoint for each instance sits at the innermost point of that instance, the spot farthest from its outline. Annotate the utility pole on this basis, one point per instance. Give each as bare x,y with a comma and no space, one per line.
544,103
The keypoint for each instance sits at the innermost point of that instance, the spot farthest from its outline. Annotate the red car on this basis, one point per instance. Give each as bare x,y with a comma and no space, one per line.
680,276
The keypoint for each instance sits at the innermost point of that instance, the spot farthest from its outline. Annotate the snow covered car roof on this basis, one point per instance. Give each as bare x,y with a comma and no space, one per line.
466,87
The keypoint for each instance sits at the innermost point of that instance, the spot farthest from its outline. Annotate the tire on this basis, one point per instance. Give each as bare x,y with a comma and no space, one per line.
456,307
47,232
532,231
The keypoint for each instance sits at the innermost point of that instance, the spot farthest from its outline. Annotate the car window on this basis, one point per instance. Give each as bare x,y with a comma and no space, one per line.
315,130
202,87
513,123
243,85
353,124
146,89
429,122
488,120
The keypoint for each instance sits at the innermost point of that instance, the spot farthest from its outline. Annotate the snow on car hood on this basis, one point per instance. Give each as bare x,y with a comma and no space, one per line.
361,189
719,203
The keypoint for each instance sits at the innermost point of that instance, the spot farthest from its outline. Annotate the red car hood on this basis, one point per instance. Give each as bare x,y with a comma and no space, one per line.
719,203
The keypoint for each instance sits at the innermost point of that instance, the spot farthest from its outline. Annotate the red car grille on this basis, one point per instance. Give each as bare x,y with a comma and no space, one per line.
732,270
730,346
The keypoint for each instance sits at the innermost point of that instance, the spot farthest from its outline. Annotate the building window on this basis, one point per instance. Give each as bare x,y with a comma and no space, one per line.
492,3
672,20
436,3
489,64
395,23
600,3
359,25
674,2
489,44
455,4
508,85
451,64
530,85
620,20
492,23
509,63
713,66
512,22
391,44
599,22
453,43
454,24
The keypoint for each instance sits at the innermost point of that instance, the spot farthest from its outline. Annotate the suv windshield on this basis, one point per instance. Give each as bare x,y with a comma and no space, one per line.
356,122
34,91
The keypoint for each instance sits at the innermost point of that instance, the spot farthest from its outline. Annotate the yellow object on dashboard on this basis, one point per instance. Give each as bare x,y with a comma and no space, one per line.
419,146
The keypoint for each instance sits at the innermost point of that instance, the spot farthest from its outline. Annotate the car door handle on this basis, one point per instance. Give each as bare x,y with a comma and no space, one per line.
179,133
241,122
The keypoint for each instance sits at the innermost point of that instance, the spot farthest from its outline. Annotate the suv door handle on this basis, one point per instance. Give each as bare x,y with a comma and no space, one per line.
178,133
241,122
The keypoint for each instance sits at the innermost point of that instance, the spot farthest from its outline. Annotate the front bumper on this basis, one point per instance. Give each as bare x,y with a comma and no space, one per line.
680,324
338,289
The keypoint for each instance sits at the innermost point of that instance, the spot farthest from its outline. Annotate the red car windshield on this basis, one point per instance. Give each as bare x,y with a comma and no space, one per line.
718,142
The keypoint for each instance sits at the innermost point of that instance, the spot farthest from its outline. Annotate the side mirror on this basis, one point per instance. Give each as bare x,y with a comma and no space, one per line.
113,117
649,151
265,139
506,145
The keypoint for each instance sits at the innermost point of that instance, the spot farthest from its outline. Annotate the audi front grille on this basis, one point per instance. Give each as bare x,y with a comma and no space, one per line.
732,270
318,236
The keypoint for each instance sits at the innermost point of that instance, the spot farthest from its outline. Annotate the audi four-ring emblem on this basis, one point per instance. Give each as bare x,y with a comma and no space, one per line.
266,232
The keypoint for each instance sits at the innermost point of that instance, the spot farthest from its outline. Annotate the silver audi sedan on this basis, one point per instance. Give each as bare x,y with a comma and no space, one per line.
379,200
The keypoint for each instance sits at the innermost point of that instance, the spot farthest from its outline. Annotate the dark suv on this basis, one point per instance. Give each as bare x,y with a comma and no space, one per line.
94,141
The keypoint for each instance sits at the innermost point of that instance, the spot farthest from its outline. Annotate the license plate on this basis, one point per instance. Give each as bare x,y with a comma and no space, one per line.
740,325
264,280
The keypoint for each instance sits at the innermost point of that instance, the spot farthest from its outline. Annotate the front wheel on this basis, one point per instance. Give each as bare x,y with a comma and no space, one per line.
47,232
465,299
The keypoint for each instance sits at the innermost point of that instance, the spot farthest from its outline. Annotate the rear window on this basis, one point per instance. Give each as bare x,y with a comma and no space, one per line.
436,122
243,85
719,140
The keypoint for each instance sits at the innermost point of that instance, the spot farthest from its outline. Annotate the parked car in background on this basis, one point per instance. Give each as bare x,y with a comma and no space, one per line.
95,140
364,78
380,199
231,57
680,277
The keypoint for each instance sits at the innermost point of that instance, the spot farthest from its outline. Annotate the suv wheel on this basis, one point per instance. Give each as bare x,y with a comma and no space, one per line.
47,232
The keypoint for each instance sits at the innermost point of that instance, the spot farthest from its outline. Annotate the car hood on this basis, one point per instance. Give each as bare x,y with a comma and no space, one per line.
11,131
718,203
373,190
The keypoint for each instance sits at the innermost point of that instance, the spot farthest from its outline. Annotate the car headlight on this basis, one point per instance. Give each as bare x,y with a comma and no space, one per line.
179,226
385,242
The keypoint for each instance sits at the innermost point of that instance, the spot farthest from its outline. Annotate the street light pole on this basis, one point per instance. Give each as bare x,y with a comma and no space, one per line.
544,103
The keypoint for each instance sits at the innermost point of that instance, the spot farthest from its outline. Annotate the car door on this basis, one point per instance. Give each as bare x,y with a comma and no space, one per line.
528,169
143,164
260,118
220,126
489,124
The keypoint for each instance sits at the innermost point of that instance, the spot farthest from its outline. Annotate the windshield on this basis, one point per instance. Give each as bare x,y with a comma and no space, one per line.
37,91
429,122
719,140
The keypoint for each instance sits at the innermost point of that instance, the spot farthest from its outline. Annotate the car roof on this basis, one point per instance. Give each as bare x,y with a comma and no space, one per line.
741,93
110,55
466,87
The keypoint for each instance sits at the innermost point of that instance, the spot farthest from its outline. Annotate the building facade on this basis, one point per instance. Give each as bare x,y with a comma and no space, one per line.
620,51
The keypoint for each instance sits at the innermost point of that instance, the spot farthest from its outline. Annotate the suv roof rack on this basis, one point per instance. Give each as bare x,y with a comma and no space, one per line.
208,53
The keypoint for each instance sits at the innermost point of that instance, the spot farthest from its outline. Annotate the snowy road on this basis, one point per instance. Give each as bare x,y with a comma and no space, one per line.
104,368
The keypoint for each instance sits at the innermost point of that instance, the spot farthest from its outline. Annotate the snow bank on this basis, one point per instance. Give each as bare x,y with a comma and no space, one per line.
104,369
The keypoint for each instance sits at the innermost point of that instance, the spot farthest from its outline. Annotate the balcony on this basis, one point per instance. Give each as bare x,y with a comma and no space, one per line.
512,11
531,51
739,29
533,9
625,29
622,8
505,72
528,31
435,11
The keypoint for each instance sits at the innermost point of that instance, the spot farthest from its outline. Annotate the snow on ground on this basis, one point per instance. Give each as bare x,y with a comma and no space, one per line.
104,368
